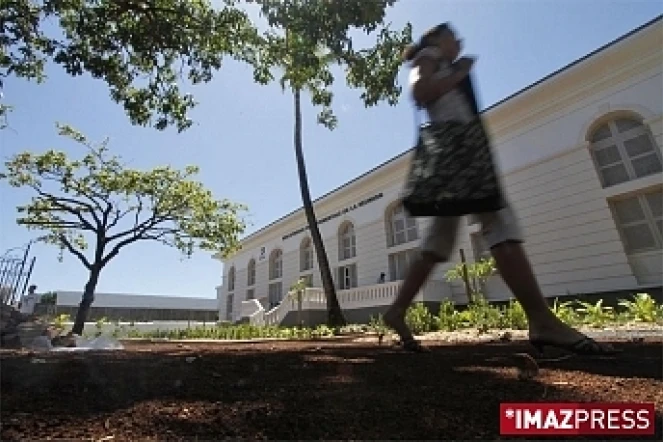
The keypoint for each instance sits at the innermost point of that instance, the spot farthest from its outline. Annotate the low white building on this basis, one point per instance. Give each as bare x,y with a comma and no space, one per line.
580,151
136,307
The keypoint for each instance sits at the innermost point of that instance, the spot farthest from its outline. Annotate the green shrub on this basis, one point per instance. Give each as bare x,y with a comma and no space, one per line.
484,316
480,315
514,316
448,318
420,319
641,309
376,325
565,312
595,315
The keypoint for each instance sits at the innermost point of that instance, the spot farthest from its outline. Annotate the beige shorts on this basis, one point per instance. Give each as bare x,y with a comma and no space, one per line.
496,228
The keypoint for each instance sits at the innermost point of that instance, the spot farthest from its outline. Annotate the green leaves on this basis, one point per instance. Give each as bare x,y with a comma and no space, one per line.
374,70
308,38
142,49
98,199
146,50
477,272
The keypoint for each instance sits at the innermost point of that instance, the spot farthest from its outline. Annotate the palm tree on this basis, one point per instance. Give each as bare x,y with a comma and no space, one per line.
335,316
316,38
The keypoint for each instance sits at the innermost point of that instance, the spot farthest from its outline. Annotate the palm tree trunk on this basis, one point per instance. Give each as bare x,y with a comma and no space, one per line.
334,314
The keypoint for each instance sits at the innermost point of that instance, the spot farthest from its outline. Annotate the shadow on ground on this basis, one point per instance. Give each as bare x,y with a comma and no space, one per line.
300,390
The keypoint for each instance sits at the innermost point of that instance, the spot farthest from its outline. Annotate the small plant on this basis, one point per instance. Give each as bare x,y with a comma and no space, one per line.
60,321
322,331
419,319
514,316
376,325
478,274
99,326
641,309
449,319
297,293
596,315
119,331
565,312
484,316
353,328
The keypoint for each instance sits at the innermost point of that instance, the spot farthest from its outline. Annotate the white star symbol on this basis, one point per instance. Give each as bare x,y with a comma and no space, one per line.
509,413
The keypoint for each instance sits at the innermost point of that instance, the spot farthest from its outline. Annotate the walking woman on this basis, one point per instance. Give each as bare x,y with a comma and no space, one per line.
435,78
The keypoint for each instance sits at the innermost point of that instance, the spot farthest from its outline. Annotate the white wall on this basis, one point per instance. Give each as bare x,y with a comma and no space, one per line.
66,298
567,128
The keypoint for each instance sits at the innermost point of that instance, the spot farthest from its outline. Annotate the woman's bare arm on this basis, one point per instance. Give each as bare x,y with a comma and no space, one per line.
427,88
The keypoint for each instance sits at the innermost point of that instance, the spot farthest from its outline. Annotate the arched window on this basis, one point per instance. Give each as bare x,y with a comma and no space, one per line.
251,273
401,228
347,243
276,264
231,279
623,149
306,255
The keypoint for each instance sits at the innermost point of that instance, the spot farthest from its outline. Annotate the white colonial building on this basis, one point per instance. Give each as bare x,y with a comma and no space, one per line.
580,151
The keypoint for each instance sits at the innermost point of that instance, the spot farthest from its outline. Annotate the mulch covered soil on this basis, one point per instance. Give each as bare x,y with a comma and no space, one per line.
301,390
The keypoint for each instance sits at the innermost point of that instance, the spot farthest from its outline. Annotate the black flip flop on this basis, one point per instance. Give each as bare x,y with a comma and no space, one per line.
585,346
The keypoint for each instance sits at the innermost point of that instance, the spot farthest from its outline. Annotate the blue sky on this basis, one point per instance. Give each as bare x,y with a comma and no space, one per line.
242,139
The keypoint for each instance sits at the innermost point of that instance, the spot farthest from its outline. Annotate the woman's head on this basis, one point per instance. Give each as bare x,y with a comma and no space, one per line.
441,37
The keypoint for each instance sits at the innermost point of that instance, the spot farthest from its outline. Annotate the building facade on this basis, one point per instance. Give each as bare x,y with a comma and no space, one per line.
580,154
132,307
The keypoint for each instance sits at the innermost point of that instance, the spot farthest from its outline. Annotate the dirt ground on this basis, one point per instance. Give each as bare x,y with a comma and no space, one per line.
301,390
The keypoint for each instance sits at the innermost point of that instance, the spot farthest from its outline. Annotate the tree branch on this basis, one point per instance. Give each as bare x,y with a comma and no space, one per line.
57,202
78,187
53,224
118,216
150,222
75,252
142,228
138,233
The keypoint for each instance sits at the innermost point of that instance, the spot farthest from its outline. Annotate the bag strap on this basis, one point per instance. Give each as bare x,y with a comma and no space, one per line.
466,87
417,123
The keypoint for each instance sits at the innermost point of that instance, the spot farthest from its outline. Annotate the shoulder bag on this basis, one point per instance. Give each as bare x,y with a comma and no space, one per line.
453,172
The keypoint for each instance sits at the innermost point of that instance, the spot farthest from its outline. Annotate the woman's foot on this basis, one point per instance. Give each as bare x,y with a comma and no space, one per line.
414,346
394,318
584,346
561,336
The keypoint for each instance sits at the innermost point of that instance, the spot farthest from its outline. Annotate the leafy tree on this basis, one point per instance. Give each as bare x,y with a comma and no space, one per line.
48,298
305,42
98,200
139,48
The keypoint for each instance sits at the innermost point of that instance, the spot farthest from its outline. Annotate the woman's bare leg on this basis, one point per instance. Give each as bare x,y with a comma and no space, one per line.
415,278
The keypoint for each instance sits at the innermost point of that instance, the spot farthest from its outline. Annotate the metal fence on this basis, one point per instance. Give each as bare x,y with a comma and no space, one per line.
15,273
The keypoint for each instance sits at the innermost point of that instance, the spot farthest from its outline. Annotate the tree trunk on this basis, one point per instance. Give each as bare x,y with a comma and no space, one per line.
299,308
334,314
86,302
466,280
